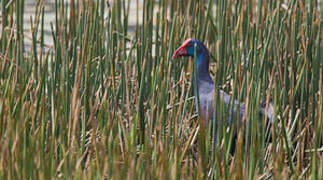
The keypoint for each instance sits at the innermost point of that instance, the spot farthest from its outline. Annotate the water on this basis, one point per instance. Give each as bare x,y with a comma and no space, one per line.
49,7
49,17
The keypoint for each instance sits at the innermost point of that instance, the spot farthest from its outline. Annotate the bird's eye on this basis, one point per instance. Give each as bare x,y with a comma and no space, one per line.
189,45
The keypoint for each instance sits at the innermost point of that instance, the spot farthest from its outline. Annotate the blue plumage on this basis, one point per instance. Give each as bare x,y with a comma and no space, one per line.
206,87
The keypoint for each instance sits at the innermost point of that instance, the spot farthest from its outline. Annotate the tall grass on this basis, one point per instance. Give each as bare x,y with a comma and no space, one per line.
107,102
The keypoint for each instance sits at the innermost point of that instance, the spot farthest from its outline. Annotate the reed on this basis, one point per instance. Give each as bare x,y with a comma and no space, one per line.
107,101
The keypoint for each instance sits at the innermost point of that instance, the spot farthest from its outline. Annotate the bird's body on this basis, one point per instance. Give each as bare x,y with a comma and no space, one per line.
206,89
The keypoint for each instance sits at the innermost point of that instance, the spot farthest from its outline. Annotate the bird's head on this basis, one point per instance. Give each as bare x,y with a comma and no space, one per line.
187,49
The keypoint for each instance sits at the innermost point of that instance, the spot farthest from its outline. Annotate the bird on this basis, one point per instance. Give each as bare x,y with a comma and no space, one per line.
204,88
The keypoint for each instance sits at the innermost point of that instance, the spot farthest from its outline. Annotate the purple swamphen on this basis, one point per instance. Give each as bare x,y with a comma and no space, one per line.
206,87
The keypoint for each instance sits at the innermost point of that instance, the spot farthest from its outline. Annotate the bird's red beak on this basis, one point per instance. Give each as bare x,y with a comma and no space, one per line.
181,51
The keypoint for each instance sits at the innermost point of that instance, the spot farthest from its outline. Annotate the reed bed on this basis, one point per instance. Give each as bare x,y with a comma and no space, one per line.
106,102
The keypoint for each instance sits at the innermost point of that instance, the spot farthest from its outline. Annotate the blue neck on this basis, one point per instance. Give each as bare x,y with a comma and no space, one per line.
203,74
